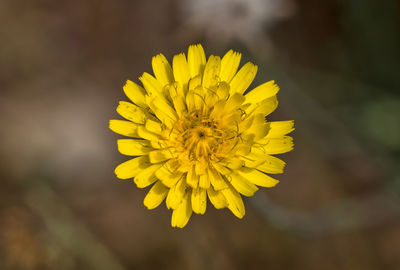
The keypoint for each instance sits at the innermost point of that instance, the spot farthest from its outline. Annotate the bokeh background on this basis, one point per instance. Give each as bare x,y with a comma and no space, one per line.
62,68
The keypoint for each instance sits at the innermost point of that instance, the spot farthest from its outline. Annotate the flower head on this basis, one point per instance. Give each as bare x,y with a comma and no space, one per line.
195,134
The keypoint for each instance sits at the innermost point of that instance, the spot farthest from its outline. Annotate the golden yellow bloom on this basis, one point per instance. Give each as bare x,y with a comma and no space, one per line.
195,134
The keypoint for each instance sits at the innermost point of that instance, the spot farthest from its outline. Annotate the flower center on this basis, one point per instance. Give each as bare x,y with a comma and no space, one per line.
199,140
200,137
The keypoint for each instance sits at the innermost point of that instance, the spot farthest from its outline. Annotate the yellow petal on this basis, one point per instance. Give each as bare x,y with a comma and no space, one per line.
195,97
204,181
258,178
234,163
217,198
175,89
192,178
176,194
218,110
277,145
164,112
264,163
181,69
151,84
195,83
146,177
265,107
199,200
261,92
162,69
201,168
194,101
223,90
258,119
242,185
125,128
196,60
235,202
181,215
160,144
131,147
272,166
252,160
153,126
241,149
145,134
131,112
217,181
234,101
258,128
229,65
243,78
160,155
221,168
211,71
156,195
177,94
136,93
167,176
279,128
131,168
162,105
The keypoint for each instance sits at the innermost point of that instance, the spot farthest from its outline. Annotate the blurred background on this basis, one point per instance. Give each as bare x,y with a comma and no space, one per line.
62,68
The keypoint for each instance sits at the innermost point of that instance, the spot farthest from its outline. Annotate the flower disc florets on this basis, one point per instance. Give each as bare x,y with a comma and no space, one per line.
196,134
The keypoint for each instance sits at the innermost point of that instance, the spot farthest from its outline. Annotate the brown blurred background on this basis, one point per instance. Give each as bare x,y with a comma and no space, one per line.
62,68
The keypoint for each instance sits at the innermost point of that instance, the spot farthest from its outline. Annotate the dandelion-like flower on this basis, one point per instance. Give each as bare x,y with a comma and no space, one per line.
195,134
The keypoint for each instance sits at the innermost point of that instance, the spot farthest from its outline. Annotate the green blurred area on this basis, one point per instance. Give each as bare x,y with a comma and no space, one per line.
62,68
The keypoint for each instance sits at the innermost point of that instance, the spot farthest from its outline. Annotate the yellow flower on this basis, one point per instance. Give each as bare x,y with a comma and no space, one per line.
196,135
